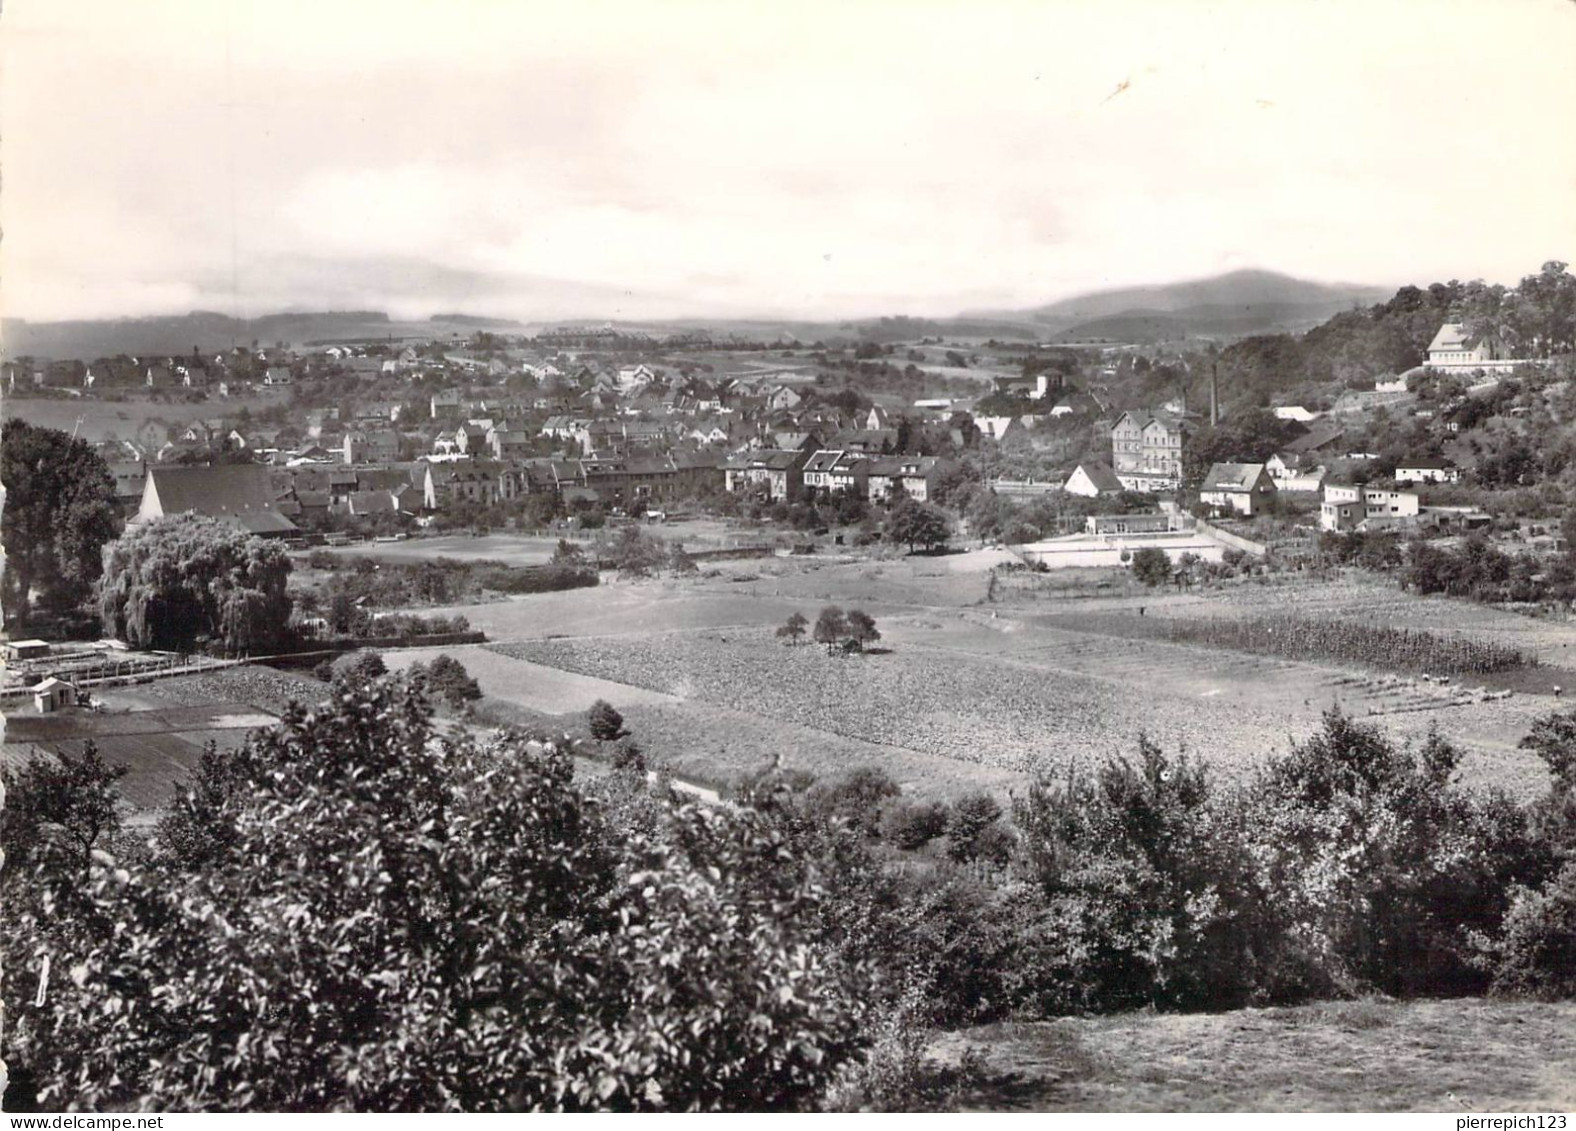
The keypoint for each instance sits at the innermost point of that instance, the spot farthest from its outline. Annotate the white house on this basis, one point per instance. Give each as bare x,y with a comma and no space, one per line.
53,694
1427,471
1093,479
1242,487
1453,350
1295,412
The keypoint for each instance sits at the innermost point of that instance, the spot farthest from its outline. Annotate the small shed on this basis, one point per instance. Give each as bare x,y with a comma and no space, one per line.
53,694
26,649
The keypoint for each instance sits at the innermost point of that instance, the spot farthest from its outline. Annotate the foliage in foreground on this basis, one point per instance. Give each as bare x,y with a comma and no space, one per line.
353,912
387,919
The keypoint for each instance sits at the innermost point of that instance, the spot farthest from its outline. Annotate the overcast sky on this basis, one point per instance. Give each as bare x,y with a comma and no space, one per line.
809,159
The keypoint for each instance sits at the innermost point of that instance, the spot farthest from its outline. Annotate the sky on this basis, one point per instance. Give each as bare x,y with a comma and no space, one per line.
729,158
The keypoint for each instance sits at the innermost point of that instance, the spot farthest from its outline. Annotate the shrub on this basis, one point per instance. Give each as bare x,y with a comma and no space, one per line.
971,816
447,677
911,825
1537,952
856,797
340,936
1377,870
360,667
1151,566
606,724
1143,886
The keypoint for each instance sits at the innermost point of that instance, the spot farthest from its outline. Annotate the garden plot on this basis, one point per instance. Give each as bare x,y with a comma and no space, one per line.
159,746
548,690
620,607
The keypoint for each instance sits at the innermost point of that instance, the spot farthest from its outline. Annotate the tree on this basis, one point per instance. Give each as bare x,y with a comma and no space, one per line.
917,524
447,677
175,582
860,628
606,724
793,630
61,807
972,814
359,667
830,627
59,512
1151,566
398,919
567,553
1553,739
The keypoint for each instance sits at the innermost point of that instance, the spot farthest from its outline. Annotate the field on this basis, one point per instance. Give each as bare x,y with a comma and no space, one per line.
1460,1057
112,420
964,693
529,549
159,729
510,549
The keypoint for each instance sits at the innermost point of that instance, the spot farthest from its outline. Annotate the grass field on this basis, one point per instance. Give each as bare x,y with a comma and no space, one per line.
510,549
1460,1057
968,691
112,420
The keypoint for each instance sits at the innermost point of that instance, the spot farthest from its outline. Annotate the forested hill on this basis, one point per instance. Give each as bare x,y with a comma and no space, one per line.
1535,319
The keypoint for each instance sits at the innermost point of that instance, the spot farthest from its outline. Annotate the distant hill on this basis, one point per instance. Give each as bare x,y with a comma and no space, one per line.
1244,291
206,331
1226,306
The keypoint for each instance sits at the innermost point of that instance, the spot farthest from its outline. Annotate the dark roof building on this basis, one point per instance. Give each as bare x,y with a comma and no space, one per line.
240,494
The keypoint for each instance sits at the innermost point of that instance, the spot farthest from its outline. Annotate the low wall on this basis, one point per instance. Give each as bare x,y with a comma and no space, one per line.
1106,551
1235,541
735,552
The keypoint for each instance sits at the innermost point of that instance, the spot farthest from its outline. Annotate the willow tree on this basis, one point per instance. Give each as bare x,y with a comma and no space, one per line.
176,582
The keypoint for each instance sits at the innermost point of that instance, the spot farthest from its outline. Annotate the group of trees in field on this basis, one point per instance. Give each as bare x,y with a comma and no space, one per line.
357,911
850,631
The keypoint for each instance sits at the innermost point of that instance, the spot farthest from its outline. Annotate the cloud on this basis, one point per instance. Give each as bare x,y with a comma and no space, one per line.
697,157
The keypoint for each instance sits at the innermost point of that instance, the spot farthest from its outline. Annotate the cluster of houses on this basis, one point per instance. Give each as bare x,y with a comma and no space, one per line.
1146,457
619,436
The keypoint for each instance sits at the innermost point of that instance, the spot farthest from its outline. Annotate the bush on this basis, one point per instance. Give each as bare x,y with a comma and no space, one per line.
338,934
857,798
971,815
606,724
1143,889
911,825
1536,955
1151,566
448,678
360,667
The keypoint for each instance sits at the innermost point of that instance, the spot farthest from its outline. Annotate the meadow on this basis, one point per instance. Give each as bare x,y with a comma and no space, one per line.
963,690
92,418
1459,1056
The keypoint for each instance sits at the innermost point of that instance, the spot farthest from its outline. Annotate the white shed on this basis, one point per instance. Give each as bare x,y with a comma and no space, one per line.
53,694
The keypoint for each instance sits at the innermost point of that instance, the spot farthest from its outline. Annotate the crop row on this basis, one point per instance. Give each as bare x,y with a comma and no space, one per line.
1318,639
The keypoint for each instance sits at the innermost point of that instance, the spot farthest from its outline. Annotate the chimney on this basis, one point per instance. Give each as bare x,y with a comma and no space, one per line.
1214,407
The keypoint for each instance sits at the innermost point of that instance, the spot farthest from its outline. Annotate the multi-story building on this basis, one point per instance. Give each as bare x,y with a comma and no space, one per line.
1146,450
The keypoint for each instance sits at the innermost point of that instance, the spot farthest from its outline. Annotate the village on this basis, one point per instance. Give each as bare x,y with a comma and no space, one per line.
948,558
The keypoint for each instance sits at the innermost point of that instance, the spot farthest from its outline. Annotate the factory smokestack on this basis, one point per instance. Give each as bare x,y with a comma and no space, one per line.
1214,406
